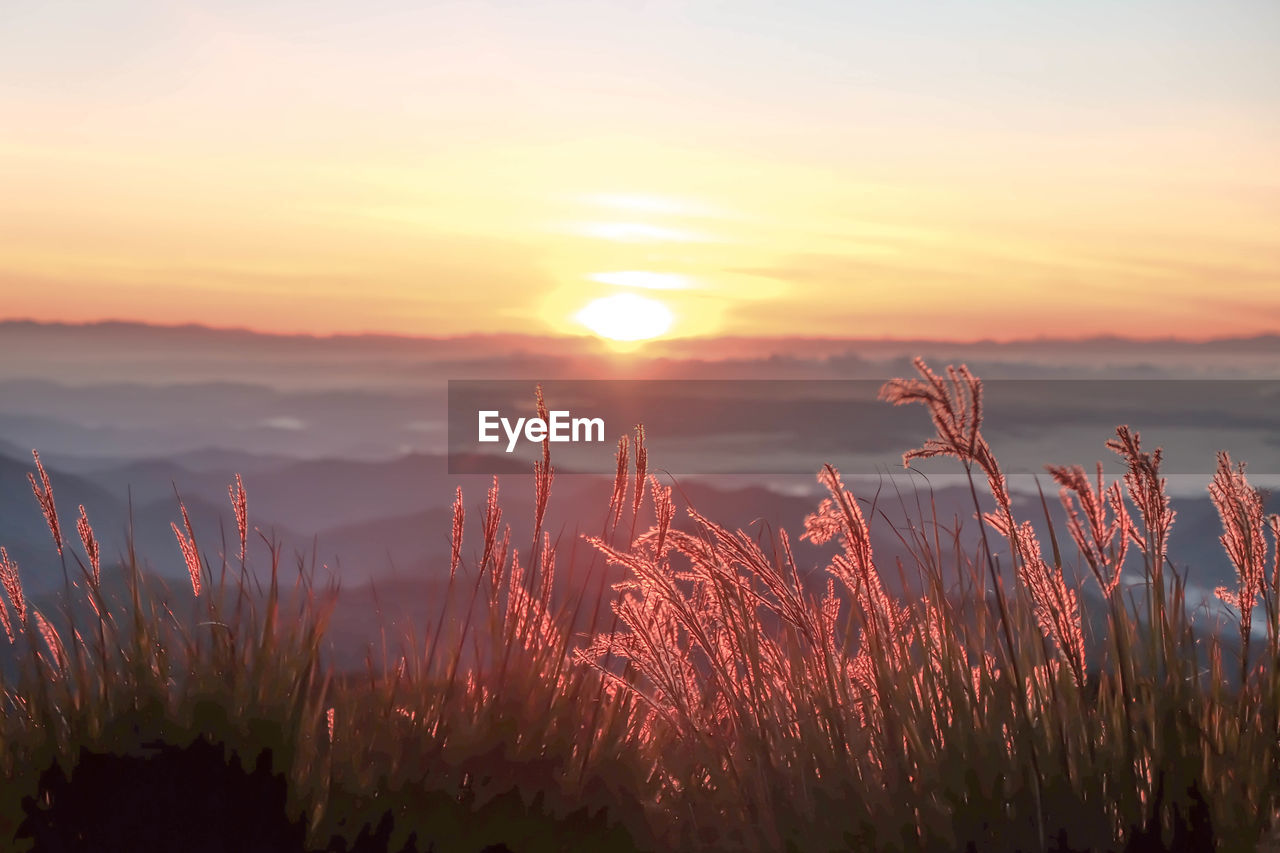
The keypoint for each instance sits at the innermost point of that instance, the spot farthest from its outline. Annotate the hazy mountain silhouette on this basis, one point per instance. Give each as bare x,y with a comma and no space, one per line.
340,443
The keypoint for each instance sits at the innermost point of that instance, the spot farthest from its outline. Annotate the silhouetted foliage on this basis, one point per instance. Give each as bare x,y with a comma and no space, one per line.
191,798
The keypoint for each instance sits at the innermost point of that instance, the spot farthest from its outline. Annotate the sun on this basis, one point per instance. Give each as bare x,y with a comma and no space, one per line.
626,317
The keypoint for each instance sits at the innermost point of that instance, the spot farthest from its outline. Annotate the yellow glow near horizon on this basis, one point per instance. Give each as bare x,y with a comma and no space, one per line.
642,279
637,232
443,169
653,204
626,317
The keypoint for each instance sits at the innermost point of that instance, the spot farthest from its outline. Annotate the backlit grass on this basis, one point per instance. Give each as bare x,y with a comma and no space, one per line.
713,696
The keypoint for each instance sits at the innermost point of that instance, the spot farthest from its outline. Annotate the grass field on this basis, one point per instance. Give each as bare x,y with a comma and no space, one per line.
714,698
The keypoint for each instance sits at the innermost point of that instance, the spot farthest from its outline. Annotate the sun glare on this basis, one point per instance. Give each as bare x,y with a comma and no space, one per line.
626,317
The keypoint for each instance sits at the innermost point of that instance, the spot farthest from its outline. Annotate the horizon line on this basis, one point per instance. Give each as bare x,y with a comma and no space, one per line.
587,337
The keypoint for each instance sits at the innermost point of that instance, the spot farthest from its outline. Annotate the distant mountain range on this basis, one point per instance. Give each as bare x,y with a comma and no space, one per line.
382,530
383,519
340,441
140,353
800,347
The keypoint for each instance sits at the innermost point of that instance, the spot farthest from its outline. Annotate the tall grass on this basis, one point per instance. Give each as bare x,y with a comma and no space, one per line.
720,697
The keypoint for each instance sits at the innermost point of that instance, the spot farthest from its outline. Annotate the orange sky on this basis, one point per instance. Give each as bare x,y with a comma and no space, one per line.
827,169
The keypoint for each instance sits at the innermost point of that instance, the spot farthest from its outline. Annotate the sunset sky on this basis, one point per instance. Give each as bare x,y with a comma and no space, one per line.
982,169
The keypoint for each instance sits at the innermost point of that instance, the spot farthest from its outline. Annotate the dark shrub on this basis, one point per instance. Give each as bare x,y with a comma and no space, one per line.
191,798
